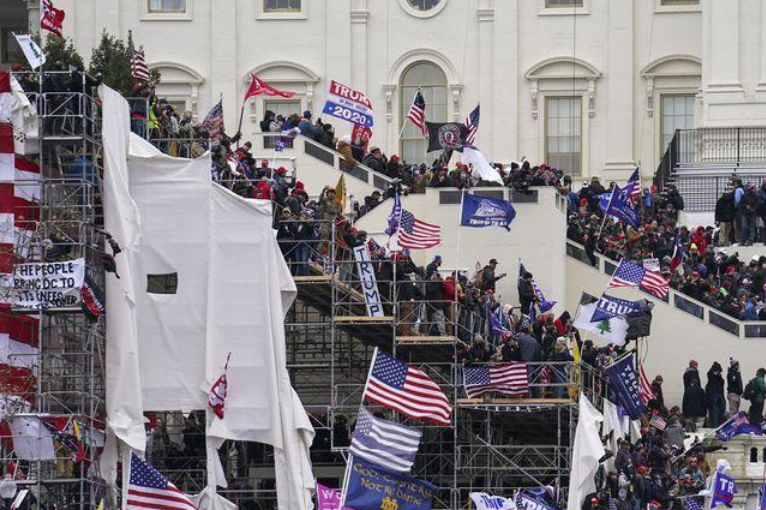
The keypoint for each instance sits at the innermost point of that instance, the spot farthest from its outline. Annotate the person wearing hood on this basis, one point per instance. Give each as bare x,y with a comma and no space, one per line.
674,433
734,386
716,404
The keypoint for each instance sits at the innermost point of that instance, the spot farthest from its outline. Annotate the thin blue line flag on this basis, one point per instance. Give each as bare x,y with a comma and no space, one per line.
479,212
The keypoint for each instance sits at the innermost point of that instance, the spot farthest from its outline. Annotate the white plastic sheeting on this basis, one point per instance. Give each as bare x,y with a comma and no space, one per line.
164,351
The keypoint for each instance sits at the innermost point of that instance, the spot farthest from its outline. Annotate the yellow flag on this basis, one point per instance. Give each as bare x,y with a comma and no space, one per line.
100,505
340,193
573,389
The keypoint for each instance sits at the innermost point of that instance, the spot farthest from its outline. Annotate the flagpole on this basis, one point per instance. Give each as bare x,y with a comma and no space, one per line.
459,233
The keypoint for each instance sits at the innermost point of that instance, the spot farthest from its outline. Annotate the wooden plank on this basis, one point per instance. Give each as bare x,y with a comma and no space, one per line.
426,339
312,279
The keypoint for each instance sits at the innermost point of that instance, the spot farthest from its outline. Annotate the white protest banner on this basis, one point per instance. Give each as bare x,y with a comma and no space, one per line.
32,51
484,501
652,264
48,285
369,282
348,104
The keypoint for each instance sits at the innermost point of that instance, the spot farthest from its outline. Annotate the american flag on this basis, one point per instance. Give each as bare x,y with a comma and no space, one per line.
389,445
472,123
149,489
629,274
506,378
213,122
692,503
644,387
394,385
658,422
633,187
372,245
416,234
417,113
138,68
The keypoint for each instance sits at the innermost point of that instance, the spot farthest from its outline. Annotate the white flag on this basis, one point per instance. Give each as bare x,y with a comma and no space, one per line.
472,156
587,452
614,329
484,501
32,51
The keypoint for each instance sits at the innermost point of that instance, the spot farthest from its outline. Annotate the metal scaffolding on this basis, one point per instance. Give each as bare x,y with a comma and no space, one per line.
493,445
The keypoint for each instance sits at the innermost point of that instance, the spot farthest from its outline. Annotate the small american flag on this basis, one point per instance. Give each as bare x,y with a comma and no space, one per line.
394,385
150,489
416,234
633,187
217,397
658,422
506,378
417,113
629,274
373,245
472,123
692,503
138,68
213,122
388,444
644,387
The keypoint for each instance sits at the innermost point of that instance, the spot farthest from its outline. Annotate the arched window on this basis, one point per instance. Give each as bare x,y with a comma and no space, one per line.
433,85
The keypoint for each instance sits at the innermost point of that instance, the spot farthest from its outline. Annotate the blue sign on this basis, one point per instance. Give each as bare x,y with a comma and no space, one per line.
609,307
528,500
348,114
623,380
481,212
371,488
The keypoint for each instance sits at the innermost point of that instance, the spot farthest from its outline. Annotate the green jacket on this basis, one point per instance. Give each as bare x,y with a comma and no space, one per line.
760,390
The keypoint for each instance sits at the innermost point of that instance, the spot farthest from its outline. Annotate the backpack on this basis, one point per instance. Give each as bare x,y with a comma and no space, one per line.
479,280
751,390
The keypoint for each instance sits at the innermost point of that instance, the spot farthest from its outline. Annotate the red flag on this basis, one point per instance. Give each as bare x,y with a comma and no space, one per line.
52,19
258,87
217,398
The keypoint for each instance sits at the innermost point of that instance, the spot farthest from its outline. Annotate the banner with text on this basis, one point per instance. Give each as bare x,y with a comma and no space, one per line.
328,499
47,285
348,104
369,283
372,488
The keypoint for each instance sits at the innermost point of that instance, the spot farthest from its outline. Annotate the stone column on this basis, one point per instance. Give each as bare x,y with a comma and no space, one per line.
225,77
486,16
359,16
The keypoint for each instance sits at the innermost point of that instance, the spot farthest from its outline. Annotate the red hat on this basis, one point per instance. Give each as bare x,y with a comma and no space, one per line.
298,185
281,170
264,163
693,363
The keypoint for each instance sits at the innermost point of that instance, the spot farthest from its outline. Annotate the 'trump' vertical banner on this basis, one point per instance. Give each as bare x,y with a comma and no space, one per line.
369,282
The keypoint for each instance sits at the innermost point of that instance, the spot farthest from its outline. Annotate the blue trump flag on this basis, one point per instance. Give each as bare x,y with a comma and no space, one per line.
623,380
372,488
536,499
621,207
481,212
609,307
736,425
723,490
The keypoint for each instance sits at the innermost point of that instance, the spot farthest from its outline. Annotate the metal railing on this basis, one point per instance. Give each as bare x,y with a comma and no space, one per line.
738,146
667,163
680,301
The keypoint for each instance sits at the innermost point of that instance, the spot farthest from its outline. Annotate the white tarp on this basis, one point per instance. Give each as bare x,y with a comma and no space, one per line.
586,453
233,290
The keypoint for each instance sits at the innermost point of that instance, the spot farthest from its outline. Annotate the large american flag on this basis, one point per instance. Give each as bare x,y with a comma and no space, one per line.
629,274
395,385
388,444
417,113
644,386
506,378
472,123
213,122
150,489
416,234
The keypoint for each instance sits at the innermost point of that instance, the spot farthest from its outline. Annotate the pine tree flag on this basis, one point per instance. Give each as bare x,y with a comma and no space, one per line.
217,398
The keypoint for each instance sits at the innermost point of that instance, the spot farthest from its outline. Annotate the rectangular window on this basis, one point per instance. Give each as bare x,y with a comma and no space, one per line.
563,3
281,5
167,6
563,133
162,283
283,108
680,2
677,113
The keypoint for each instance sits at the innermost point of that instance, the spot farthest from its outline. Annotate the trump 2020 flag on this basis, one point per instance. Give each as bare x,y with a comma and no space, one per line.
484,501
481,212
736,425
609,307
621,207
723,489
372,488
623,378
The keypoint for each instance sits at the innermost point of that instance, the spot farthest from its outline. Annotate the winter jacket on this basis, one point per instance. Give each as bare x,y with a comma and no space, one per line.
715,383
345,151
530,348
694,402
691,374
674,435
725,212
734,382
